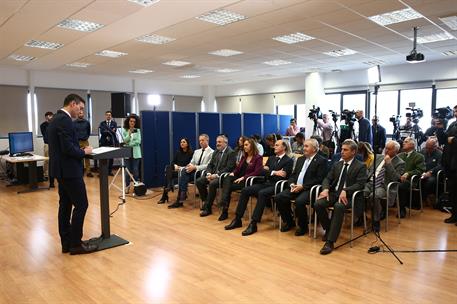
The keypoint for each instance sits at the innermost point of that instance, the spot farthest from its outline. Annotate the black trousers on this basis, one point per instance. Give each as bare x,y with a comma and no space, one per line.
170,175
403,195
332,227
72,192
452,186
207,190
263,192
228,186
284,206
428,186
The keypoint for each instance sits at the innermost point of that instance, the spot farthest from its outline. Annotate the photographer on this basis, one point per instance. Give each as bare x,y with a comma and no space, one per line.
449,163
437,130
364,127
326,127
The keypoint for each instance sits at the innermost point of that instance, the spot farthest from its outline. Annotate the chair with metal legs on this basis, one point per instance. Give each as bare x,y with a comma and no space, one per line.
412,188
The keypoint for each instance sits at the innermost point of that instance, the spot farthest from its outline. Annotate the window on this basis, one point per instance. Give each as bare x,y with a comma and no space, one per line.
354,102
446,98
330,102
387,106
422,98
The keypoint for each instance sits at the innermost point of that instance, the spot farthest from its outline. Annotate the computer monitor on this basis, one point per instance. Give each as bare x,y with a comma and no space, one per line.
20,142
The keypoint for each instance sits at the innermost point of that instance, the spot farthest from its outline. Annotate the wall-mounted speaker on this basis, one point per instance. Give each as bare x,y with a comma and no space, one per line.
120,105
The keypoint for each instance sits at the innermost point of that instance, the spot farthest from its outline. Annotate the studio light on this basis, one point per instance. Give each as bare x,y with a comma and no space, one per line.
414,56
154,100
374,75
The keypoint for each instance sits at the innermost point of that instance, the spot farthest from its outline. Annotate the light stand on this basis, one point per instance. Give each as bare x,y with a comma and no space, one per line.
122,169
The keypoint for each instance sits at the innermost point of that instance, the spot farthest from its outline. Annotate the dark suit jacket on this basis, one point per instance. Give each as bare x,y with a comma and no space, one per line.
107,135
226,164
365,130
315,173
64,153
381,138
393,171
414,164
355,180
286,163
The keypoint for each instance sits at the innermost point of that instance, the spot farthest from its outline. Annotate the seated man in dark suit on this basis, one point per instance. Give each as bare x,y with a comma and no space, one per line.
432,157
222,160
414,165
278,167
345,177
310,170
389,168
66,165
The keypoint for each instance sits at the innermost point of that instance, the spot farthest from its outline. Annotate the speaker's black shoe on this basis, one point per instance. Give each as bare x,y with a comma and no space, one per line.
251,229
451,220
287,227
223,216
236,223
175,205
328,248
301,231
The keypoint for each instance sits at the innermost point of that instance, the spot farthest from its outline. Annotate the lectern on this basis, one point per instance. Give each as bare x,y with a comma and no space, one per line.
103,155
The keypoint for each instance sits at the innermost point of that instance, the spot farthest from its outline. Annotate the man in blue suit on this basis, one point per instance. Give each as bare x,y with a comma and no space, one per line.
65,162
364,127
107,131
379,141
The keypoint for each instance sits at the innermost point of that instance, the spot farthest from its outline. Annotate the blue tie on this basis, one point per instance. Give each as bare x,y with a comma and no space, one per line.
301,176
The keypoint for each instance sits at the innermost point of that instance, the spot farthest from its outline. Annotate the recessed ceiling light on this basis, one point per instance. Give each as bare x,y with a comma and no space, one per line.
221,17
227,70
293,38
176,63
78,64
277,62
21,57
435,37
450,53
141,71
266,75
155,39
225,52
80,25
339,53
189,76
112,54
44,44
396,16
374,62
144,2
450,21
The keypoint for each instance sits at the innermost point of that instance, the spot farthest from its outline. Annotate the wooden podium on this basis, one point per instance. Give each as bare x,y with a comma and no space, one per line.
103,155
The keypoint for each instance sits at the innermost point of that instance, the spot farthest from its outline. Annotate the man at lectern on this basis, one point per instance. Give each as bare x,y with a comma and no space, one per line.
65,164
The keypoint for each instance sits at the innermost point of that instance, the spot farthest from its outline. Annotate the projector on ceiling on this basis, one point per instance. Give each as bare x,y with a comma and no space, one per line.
414,57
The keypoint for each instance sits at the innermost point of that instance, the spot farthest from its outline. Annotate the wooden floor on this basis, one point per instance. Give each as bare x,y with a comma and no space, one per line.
177,257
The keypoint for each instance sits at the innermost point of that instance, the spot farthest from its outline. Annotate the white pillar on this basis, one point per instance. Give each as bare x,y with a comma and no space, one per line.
209,98
314,95
134,107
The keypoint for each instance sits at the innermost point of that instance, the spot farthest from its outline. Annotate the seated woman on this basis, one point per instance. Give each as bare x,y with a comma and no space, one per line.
239,149
250,165
182,157
366,152
132,138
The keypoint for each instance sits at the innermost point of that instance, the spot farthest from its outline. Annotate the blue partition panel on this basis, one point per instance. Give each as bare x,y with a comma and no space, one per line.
231,125
156,146
284,122
184,126
252,124
208,123
270,124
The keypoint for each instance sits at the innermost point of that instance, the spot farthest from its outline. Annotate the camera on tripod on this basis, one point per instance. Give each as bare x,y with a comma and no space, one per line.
443,113
395,119
335,116
315,113
348,117
415,114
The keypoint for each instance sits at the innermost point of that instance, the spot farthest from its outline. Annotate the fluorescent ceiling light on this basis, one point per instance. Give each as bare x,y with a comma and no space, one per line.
450,53
277,62
112,54
450,21
339,53
144,3
21,57
227,70
374,62
80,25
293,38
176,63
435,37
141,71
189,76
225,52
395,16
78,64
155,39
44,44
221,17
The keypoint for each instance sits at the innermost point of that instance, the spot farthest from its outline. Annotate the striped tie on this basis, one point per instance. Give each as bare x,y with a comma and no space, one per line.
380,178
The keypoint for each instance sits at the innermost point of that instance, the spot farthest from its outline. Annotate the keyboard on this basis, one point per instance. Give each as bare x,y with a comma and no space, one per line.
23,154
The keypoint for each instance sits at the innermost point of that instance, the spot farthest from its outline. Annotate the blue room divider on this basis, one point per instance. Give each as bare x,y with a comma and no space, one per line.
231,125
183,125
252,124
270,124
208,123
284,122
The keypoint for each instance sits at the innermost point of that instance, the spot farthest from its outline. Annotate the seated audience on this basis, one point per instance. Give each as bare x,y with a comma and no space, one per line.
297,145
432,156
366,153
345,177
257,140
414,165
323,149
239,149
278,167
222,161
200,160
250,165
389,168
182,157
309,170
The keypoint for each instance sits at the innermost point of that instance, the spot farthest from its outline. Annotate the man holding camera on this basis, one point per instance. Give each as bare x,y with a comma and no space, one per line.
449,163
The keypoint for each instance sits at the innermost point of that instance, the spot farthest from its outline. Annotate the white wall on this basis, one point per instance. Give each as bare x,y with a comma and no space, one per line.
266,86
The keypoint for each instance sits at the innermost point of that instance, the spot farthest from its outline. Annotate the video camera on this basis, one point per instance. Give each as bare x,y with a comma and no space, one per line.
315,113
443,113
335,115
348,117
395,119
415,114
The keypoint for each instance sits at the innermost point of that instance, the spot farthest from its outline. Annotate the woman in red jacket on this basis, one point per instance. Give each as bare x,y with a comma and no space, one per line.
250,165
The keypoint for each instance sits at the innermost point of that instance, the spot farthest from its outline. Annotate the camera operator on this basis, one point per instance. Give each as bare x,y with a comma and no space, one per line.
449,163
437,130
379,139
364,127
326,127
293,129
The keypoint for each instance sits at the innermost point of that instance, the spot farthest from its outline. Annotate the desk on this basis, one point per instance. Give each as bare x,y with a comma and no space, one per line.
31,160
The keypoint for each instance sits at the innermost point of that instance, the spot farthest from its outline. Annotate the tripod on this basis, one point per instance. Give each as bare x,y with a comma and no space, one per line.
122,169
